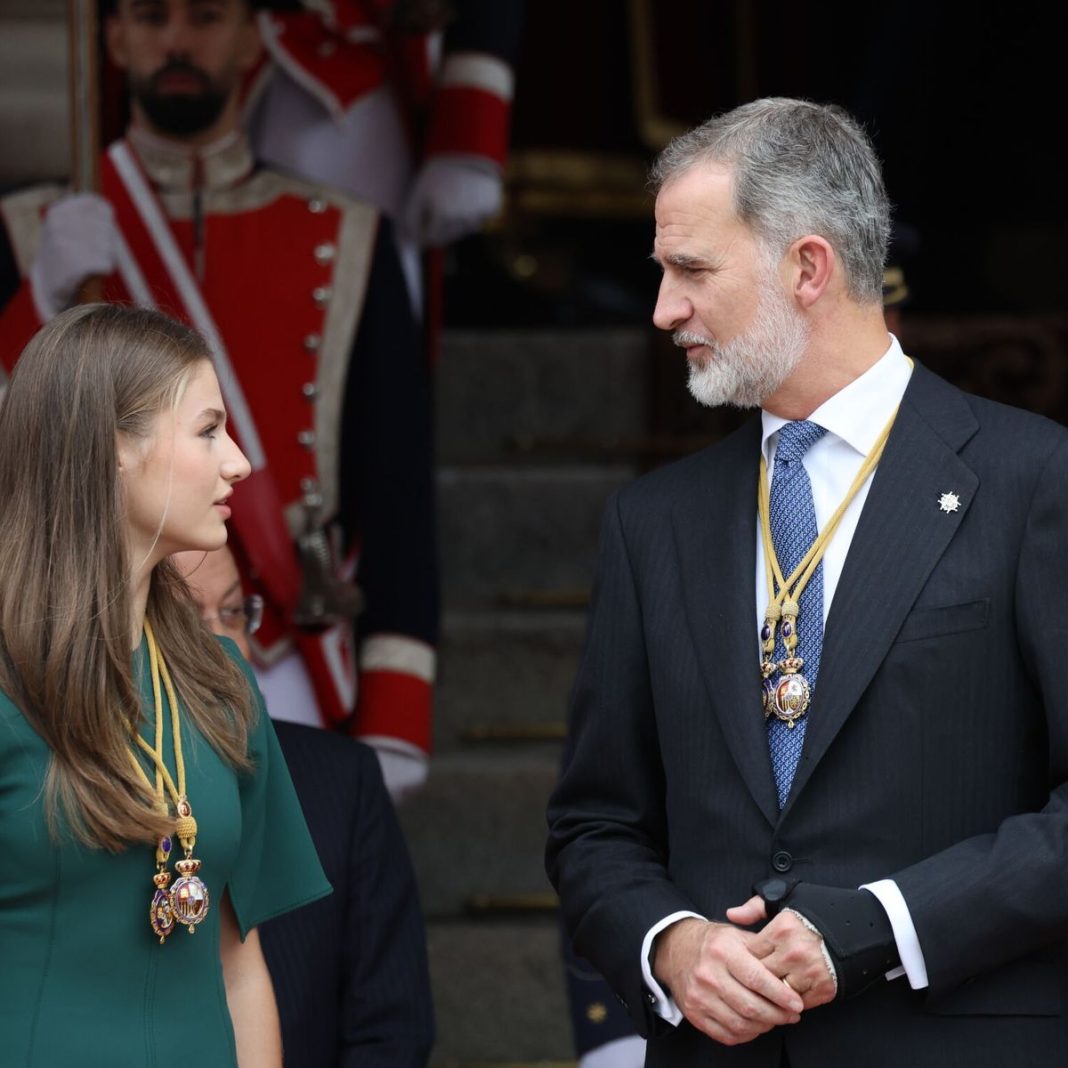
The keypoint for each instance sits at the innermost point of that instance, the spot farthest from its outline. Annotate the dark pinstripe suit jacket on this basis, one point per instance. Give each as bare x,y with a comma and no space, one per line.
350,971
936,752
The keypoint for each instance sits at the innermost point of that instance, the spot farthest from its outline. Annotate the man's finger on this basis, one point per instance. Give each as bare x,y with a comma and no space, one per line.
786,948
754,976
786,934
753,911
734,1014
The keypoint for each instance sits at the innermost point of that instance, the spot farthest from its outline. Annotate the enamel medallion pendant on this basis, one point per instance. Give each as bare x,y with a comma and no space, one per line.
792,693
189,896
160,913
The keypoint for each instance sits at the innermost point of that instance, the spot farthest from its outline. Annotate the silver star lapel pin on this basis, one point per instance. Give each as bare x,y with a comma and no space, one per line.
948,502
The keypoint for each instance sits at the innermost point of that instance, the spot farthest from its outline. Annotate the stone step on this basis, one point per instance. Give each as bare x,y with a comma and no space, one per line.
498,993
499,392
478,826
504,669
509,529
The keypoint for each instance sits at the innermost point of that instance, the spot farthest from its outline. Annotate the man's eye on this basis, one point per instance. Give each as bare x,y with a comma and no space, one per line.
207,11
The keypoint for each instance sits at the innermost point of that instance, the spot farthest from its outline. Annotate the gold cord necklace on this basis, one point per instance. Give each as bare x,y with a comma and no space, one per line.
186,902
787,698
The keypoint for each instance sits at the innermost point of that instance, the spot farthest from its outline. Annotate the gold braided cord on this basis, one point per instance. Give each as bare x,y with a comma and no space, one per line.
185,825
153,659
136,765
160,767
790,589
172,699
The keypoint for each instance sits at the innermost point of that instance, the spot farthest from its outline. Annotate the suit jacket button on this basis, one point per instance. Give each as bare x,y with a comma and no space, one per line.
781,861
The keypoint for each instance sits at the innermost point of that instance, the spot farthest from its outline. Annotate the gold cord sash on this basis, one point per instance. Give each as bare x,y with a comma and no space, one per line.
788,698
187,901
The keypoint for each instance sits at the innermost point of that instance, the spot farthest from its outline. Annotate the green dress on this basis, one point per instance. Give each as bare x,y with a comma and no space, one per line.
83,980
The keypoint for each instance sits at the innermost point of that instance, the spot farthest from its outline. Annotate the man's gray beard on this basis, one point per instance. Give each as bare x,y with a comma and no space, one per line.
746,370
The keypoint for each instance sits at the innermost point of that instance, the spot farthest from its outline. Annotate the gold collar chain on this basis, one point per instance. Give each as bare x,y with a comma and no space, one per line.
186,902
788,697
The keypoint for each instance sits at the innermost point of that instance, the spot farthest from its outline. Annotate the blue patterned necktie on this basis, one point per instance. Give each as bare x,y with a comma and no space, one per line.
793,530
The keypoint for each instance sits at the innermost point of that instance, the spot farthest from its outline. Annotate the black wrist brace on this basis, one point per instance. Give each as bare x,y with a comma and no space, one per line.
854,926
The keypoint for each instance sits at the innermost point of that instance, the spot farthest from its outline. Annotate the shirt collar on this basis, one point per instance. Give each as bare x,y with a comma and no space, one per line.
858,412
173,167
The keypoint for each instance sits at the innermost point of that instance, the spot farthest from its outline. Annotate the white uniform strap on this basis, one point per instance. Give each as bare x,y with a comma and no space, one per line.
130,272
148,207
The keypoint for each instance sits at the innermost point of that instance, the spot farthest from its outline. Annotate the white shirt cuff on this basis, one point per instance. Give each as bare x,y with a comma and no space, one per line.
908,942
662,1005
626,1052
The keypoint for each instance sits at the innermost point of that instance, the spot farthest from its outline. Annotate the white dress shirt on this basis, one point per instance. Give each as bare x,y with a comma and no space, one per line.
854,418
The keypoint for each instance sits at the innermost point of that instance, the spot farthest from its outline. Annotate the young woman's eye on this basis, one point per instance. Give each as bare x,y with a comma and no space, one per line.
210,431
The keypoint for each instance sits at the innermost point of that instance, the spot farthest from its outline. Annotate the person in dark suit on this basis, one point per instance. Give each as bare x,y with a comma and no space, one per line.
814,809
349,971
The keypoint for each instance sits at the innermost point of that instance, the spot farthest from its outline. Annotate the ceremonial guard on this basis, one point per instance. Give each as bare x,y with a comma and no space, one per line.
299,291
405,103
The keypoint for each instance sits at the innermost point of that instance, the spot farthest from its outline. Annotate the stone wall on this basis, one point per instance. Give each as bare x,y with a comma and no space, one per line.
33,91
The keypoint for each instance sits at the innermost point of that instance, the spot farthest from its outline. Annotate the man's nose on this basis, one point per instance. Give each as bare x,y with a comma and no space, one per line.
176,37
672,308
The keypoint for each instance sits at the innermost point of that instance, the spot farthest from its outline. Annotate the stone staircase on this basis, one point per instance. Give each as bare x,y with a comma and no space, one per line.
528,427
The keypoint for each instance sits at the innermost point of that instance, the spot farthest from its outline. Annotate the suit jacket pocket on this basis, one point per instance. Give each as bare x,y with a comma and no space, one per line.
947,619
1026,987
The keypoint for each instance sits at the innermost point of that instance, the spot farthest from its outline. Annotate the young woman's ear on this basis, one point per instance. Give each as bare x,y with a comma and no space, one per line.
128,453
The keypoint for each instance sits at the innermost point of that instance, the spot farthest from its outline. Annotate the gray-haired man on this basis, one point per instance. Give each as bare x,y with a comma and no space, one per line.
837,708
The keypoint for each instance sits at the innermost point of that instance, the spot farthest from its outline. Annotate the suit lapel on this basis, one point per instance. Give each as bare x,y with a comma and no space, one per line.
900,537
715,537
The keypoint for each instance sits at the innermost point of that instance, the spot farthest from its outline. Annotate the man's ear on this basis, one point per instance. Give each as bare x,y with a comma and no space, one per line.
115,39
813,262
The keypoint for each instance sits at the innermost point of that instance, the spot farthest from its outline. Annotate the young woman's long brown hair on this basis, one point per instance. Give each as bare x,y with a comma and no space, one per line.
95,373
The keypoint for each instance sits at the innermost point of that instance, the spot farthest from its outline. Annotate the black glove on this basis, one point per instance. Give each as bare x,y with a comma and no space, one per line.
854,926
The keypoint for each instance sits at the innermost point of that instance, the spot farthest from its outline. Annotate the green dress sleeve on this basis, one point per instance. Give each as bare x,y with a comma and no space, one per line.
276,868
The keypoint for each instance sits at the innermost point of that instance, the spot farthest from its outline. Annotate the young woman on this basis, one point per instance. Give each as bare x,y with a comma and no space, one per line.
147,823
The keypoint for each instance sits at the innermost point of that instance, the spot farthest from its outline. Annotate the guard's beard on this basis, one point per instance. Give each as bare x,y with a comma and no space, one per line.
180,114
746,370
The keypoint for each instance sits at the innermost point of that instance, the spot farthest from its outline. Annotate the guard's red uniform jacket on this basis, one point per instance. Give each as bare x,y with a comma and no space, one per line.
301,299
339,50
